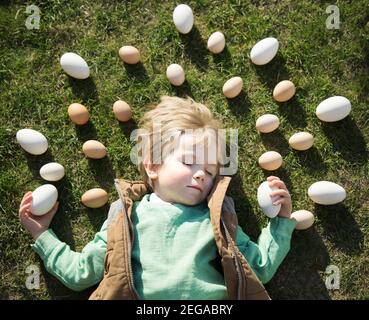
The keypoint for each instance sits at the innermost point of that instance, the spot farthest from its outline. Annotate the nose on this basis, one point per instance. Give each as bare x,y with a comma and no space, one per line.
200,174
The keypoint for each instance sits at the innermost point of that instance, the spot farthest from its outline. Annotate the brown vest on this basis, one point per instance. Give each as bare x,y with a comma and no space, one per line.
240,280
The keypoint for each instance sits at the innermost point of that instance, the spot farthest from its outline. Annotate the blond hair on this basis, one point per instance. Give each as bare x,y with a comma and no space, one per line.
174,114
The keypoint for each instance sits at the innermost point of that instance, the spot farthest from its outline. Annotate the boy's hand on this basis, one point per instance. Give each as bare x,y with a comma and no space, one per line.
284,197
35,225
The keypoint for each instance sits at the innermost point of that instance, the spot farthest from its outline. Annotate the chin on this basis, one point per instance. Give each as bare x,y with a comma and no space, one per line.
192,202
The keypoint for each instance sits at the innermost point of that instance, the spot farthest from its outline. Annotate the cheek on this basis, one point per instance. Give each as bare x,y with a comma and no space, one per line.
209,184
175,173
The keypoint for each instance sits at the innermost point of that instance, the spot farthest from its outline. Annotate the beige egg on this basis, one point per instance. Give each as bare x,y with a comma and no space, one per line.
175,74
94,149
216,42
78,113
267,123
301,141
129,54
122,111
233,87
284,91
270,160
304,218
95,198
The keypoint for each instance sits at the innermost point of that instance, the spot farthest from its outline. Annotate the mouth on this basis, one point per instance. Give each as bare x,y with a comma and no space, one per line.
195,187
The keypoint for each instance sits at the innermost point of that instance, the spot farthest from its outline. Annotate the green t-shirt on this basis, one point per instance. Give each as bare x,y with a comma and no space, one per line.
171,255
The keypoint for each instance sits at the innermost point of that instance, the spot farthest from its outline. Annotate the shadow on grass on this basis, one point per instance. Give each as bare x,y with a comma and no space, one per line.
183,90
273,72
223,59
58,291
86,132
311,160
341,228
298,276
293,111
347,139
137,71
196,48
103,172
275,141
240,105
35,162
98,216
85,90
127,127
246,217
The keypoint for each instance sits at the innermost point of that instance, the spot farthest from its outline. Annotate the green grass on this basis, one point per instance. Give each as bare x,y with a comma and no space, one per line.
35,93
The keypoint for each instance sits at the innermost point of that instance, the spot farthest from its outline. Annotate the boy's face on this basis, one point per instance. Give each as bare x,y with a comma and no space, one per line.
187,175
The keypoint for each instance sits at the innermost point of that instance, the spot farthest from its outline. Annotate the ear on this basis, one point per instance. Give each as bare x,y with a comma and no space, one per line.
151,170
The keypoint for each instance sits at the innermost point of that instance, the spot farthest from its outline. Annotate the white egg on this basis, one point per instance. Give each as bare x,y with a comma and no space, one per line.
264,51
183,18
43,199
74,65
333,109
326,193
266,201
32,141
216,42
267,123
304,219
175,74
52,171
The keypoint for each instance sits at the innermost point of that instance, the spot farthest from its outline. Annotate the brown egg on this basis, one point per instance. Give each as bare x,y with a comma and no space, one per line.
78,113
270,160
284,91
129,54
95,198
304,218
233,87
301,141
122,110
94,149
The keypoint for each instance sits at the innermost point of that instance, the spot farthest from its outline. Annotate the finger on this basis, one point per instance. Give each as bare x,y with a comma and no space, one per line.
27,198
280,201
271,178
278,184
26,194
24,208
280,192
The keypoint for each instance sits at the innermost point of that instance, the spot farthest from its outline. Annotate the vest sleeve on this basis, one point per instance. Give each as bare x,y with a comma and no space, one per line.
76,270
272,246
